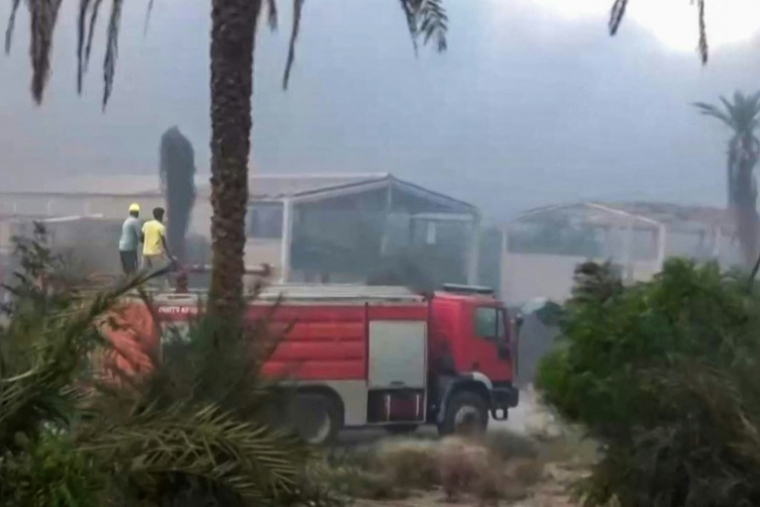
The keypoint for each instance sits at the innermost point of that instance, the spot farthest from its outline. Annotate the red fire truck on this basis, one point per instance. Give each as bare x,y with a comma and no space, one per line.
366,356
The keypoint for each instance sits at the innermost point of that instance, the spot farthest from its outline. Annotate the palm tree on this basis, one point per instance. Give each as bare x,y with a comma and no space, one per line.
193,425
233,33
618,13
741,116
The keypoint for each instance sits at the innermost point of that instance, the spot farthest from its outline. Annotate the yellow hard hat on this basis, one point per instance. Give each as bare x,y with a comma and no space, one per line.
134,207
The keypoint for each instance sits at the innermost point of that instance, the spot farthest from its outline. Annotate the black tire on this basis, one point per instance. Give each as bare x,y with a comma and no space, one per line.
316,417
466,411
401,429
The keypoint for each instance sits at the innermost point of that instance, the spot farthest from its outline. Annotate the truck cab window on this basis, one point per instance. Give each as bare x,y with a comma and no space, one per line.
489,324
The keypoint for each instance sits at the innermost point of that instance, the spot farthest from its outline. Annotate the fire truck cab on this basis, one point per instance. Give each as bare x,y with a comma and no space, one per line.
373,356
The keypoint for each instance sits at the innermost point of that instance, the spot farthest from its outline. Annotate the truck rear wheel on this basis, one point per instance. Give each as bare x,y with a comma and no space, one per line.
466,412
316,418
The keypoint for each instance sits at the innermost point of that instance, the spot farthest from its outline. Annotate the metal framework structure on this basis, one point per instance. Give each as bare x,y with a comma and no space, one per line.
605,217
315,188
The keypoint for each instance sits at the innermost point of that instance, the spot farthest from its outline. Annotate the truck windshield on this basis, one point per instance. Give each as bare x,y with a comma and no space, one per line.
489,324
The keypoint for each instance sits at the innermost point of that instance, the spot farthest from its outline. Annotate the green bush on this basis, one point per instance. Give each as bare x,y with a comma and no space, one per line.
662,374
51,471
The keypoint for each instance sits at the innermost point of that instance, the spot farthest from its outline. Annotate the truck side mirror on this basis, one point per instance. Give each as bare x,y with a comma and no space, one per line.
518,323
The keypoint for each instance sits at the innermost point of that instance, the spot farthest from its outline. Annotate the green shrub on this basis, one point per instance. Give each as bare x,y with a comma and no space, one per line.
662,374
50,471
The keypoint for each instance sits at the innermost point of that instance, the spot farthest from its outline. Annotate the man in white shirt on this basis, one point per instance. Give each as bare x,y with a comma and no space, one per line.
131,236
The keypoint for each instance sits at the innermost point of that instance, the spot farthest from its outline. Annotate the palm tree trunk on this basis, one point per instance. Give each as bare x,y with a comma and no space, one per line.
747,219
748,234
233,30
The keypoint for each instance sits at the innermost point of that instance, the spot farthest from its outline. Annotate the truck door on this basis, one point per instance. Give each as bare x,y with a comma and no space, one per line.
489,351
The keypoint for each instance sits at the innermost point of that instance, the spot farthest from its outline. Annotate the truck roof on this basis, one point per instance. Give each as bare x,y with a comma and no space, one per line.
340,291
465,296
312,292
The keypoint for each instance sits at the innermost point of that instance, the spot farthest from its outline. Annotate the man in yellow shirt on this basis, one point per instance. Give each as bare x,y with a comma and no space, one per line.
155,248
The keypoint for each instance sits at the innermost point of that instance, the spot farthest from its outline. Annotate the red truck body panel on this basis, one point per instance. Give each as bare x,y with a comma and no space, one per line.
132,332
322,343
379,355
327,342
453,329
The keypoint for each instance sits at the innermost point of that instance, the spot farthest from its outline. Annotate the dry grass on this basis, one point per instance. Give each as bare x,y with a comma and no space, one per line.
510,445
410,463
537,463
542,460
502,465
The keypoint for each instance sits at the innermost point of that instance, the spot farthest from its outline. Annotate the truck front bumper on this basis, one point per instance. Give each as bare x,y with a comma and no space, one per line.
503,397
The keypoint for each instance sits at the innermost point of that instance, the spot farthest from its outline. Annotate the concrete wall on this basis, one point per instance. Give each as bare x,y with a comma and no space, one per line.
111,207
65,205
83,243
257,251
7,231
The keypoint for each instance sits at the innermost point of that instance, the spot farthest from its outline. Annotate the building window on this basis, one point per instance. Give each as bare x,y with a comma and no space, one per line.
265,221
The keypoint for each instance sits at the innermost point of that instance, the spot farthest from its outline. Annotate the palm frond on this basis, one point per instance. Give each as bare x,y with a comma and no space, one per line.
427,17
84,6
11,24
729,107
434,22
272,14
148,12
112,49
44,14
62,341
740,115
410,8
710,110
753,107
616,15
297,9
703,47
205,443
196,428
91,32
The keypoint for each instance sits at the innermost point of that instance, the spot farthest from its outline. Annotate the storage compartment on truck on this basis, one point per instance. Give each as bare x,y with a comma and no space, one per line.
396,405
397,354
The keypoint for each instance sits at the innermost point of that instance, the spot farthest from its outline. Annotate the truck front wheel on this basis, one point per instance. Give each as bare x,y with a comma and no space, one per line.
466,412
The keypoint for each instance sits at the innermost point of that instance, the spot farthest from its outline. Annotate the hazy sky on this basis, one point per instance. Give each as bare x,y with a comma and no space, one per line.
533,103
